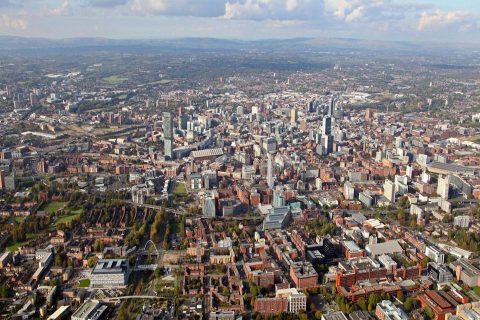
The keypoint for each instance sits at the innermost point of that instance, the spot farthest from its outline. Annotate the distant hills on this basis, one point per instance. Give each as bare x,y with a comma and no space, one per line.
10,43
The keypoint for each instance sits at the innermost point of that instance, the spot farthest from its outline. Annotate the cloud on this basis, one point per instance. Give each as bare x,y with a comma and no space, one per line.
14,23
441,19
64,9
340,8
106,3
7,3
355,14
379,19
274,9
373,11
196,8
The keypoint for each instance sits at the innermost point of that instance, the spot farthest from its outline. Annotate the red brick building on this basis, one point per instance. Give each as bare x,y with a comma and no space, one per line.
270,305
441,302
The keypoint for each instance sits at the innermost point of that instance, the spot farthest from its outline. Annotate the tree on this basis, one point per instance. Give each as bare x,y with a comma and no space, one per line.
410,304
374,298
123,314
403,201
429,313
92,261
371,307
401,215
400,295
424,262
4,292
226,292
362,304
182,225
303,316
98,246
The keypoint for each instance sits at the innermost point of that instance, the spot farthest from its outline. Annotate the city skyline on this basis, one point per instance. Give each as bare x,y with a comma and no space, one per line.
423,20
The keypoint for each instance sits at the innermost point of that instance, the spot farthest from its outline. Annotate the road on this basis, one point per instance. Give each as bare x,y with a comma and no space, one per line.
116,299
181,211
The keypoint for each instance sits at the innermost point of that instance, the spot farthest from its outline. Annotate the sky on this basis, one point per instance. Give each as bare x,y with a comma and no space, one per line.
397,20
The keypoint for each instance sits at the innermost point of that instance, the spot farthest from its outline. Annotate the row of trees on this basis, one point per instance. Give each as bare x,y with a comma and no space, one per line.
159,226
321,227
135,237
465,239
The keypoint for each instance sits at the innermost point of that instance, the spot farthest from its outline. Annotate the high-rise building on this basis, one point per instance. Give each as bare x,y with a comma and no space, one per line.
311,106
349,190
331,108
409,171
398,142
389,190
182,121
167,125
278,198
240,110
270,180
293,116
209,207
327,144
168,148
327,125
167,134
368,114
269,144
2,180
443,187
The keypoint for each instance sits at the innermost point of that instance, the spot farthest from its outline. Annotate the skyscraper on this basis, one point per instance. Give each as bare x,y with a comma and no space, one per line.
368,114
209,206
278,198
327,126
389,190
443,187
331,108
327,142
270,180
398,142
293,117
167,134
182,121
2,180
167,125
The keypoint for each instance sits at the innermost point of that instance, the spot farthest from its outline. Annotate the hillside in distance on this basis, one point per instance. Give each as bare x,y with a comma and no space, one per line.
38,45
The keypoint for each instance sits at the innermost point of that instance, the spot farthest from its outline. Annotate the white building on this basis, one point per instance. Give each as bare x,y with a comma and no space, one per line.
297,301
461,221
389,190
349,191
110,273
443,187
386,310
435,254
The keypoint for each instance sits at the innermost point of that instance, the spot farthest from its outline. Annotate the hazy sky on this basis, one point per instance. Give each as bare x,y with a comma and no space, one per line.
436,20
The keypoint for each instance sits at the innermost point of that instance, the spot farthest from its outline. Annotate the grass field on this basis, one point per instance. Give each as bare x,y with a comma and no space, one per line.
84,283
114,80
67,218
55,206
180,189
30,237
15,219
